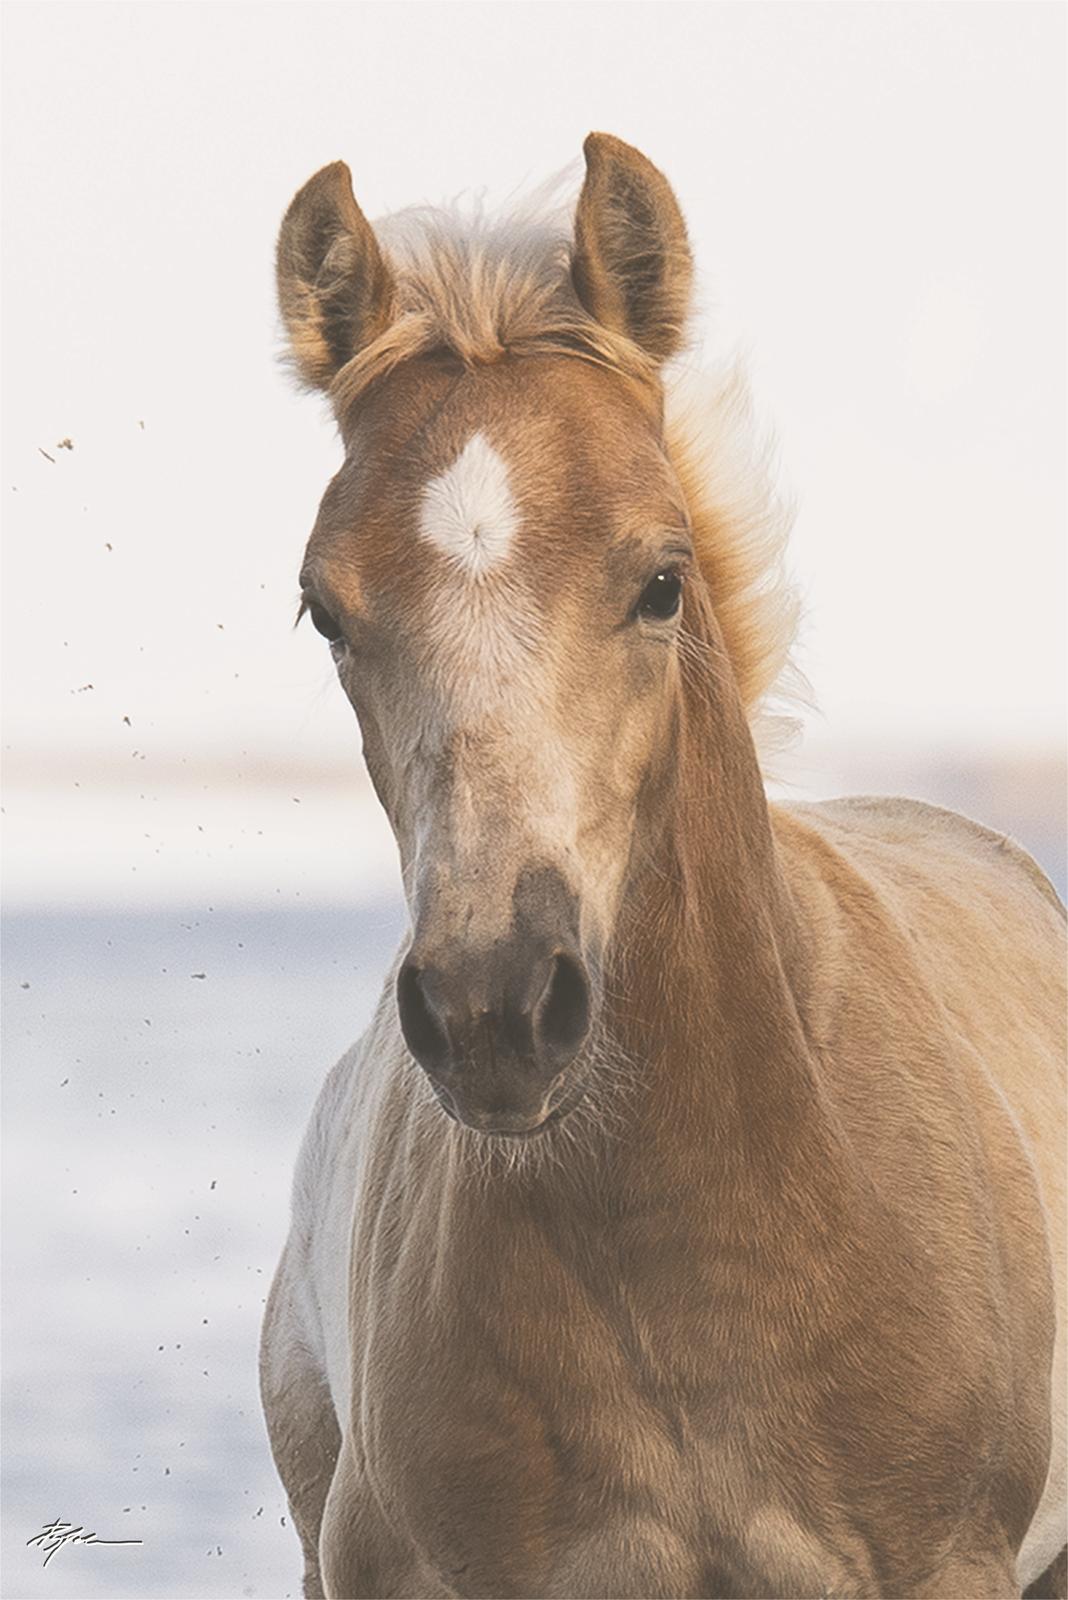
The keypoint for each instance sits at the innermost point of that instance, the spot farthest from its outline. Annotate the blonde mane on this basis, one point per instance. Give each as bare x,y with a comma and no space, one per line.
741,527
484,287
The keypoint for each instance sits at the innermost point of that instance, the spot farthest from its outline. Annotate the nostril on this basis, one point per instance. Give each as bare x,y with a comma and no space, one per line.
423,1033
563,1013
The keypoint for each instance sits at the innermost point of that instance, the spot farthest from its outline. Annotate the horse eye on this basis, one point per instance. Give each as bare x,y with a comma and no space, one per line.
324,623
661,596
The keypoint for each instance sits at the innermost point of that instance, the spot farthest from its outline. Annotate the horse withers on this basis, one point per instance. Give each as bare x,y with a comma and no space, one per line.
689,1220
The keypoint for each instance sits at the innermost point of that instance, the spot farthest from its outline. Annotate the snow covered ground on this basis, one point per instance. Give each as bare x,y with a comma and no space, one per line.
159,1069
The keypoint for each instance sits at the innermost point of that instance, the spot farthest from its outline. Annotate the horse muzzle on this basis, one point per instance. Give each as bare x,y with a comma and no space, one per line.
496,1030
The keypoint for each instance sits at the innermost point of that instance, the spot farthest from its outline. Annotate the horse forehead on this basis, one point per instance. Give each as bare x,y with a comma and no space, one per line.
490,641
489,485
469,511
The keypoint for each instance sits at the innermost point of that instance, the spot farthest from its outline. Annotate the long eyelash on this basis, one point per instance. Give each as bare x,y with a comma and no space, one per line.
301,609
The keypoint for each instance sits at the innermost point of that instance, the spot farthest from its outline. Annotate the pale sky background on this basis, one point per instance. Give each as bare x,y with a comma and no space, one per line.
875,195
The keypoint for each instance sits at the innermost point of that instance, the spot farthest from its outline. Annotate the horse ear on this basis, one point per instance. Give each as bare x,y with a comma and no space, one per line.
334,289
631,263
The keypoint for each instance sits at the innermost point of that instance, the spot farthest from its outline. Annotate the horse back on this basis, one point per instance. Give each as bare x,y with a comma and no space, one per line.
900,892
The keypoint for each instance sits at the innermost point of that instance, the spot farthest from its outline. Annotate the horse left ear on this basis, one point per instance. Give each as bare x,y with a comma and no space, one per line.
631,263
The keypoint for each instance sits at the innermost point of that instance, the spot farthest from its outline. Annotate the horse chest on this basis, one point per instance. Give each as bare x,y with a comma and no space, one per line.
550,1411
519,1465
484,1494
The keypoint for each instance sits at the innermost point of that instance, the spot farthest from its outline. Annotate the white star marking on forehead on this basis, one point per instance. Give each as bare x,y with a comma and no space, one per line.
469,512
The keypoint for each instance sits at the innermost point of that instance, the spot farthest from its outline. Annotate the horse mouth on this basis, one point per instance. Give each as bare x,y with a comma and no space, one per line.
491,1129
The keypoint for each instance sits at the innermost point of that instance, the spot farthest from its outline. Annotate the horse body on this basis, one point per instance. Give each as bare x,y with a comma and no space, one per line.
687,1222
821,1366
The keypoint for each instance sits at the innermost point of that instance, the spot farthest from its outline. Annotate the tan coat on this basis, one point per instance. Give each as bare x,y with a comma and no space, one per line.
815,1364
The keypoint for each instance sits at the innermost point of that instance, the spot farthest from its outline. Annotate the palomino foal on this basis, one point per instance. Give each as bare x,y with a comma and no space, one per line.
689,1221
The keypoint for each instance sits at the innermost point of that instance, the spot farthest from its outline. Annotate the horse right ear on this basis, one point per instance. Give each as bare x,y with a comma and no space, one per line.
334,289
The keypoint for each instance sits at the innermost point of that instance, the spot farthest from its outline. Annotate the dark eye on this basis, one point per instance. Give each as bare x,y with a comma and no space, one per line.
324,623
661,595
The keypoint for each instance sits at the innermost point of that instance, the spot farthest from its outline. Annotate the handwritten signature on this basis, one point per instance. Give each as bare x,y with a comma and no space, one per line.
54,1535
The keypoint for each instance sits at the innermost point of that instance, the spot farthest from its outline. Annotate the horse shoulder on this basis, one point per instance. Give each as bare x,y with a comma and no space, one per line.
938,1006
935,970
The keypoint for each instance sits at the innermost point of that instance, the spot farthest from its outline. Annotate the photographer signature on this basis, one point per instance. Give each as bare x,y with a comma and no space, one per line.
56,1534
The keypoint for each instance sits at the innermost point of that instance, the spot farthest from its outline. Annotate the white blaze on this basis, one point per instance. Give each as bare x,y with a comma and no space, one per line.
469,511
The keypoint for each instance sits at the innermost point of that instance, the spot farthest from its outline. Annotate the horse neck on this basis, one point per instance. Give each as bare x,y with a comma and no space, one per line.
707,993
